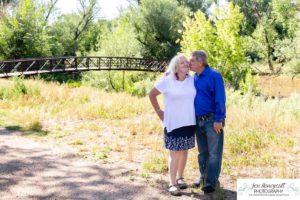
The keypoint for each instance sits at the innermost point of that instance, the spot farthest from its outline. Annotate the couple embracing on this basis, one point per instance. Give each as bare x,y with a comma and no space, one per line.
193,106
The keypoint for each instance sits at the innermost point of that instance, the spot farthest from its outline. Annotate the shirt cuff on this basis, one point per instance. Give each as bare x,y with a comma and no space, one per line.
218,120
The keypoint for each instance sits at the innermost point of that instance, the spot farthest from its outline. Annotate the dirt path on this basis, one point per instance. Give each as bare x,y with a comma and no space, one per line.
34,170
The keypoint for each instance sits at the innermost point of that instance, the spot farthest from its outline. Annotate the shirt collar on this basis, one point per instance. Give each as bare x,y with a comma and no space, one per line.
205,71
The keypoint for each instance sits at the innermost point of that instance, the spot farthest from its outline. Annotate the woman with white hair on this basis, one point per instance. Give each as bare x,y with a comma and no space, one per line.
178,117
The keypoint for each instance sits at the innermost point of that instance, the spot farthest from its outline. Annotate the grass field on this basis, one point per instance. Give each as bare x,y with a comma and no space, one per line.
261,134
280,86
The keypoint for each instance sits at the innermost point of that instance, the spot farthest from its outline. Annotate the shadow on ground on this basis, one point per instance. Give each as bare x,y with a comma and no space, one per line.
32,170
196,193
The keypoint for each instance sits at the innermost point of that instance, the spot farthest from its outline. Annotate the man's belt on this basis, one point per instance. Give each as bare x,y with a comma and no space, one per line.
204,117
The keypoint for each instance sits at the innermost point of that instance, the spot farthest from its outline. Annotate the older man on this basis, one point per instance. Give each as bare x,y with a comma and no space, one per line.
210,113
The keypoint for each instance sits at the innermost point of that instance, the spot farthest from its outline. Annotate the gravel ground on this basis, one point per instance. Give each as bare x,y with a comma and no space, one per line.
34,170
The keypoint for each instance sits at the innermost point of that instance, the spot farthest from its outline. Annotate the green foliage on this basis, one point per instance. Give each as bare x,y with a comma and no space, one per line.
119,39
263,31
84,35
134,83
156,163
195,5
72,80
219,36
90,38
249,84
295,65
251,9
99,153
19,86
63,26
157,24
60,77
67,42
270,26
23,32
291,50
17,90
251,148
76,142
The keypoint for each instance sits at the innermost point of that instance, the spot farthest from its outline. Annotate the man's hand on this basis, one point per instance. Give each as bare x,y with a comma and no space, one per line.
218,127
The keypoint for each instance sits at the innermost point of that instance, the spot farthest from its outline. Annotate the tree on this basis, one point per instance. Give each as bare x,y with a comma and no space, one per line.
76,31
4,4
50,7
23,32
269,25
292,51
7,2
119,39
196,5
251,9
219,36
157,24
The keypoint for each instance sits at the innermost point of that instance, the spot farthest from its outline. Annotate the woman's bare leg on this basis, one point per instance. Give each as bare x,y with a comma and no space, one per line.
182,163
173,166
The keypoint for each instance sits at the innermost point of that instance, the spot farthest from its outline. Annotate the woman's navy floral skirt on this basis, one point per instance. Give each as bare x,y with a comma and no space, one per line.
182,138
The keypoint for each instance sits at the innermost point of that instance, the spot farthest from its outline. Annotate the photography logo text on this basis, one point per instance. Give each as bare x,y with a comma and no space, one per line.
283,189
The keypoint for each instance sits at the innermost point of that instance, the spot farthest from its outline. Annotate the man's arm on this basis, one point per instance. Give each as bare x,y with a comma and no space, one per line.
220,102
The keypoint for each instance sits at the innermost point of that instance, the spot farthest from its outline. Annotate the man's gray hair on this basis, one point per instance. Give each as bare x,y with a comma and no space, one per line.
200,55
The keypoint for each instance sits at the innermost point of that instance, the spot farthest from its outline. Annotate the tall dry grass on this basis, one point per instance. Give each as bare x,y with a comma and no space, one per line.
259,134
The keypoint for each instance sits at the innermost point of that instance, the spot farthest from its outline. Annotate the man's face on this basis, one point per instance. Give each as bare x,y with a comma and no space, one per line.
196,64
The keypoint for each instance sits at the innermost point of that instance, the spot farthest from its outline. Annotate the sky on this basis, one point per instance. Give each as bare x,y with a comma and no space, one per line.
109,8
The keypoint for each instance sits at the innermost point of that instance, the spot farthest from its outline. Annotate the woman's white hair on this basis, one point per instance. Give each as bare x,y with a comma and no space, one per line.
174,63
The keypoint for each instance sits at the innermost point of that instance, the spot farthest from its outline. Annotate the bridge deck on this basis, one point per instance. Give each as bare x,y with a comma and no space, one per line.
72,64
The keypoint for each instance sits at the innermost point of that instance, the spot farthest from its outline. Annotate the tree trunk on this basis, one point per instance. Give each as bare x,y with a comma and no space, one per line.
269,53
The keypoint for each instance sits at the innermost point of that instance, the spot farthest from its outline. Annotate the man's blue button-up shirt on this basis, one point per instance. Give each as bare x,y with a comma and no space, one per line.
210,97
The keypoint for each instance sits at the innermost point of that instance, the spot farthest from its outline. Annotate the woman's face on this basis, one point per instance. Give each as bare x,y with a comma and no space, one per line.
184,65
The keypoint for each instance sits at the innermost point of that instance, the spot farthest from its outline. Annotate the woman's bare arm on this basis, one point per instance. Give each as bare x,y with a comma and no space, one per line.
153,99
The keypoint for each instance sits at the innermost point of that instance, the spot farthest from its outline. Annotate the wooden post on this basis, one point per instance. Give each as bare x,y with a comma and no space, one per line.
88,62
64,63
51,65
76,64
123,80
99,63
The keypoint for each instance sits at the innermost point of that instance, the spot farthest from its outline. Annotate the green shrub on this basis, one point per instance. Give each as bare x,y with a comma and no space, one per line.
18,89
134,83
60,77
156,163
249,84
250,148
19,86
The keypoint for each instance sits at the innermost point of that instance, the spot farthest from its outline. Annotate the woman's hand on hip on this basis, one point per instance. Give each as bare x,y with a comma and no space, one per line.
160,114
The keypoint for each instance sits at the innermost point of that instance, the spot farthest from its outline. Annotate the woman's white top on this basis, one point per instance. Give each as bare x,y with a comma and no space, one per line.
179,98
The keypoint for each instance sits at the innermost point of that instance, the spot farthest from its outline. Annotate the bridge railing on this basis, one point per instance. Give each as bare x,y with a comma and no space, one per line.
72,63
